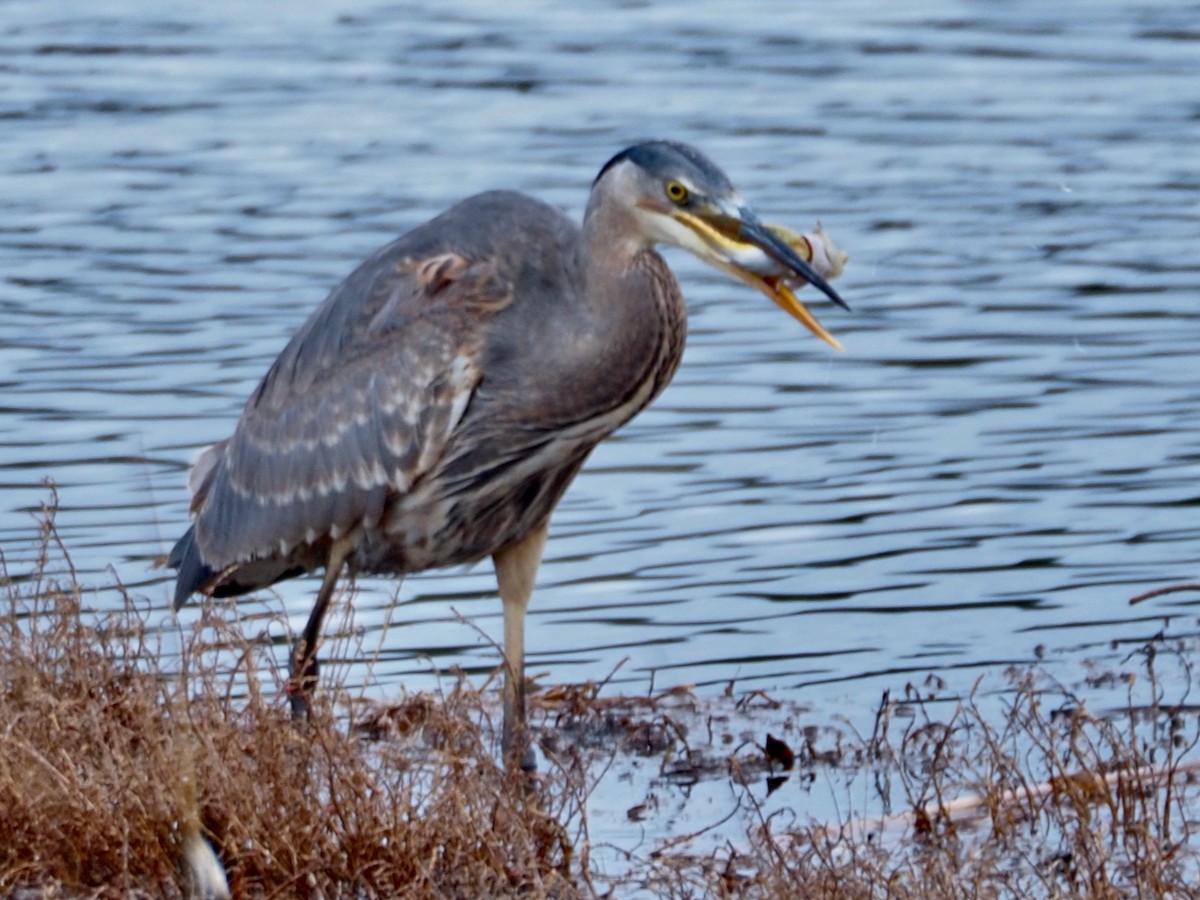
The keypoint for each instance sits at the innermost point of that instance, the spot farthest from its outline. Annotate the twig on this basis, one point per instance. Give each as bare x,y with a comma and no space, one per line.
963,807
671,843
1158,592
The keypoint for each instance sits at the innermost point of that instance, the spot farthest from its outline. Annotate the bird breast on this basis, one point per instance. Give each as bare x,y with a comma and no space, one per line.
553,389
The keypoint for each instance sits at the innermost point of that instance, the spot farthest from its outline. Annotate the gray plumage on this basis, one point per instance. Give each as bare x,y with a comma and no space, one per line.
433,410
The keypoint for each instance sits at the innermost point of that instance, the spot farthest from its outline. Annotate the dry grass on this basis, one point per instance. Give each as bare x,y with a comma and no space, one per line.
111,767
108,764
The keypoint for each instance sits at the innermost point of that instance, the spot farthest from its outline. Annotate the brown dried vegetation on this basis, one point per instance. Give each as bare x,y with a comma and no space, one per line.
113,763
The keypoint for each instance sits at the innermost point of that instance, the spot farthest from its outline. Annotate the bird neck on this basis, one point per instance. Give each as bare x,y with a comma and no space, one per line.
611,235
617,258
634,303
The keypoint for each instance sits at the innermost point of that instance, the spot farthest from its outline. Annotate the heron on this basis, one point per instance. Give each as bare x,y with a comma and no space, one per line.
432,411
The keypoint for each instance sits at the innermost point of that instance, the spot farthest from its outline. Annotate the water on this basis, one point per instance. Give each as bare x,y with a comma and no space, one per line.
1005,453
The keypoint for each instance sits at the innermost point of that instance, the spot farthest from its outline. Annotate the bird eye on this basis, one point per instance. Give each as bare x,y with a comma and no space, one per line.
677,192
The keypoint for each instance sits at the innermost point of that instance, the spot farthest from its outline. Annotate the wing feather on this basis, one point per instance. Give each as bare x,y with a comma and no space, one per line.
379,401
356,409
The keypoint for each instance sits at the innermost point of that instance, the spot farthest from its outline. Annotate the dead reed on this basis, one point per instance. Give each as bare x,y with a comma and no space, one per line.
109,765
115,767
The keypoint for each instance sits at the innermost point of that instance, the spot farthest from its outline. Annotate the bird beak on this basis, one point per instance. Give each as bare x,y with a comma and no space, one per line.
763,257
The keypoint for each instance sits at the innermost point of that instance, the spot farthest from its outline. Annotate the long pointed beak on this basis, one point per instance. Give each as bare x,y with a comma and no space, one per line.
760,256
769,241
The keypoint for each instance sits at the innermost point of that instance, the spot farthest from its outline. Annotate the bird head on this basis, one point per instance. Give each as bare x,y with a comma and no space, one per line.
680,198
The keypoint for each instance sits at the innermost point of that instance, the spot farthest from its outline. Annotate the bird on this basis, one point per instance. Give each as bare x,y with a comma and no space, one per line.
433,410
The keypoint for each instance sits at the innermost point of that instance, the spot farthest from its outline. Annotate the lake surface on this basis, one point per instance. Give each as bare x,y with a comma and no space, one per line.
1006,452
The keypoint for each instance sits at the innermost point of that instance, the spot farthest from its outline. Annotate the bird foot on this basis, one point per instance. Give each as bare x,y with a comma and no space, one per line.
518,751
298,697
524,761
301,686
528,760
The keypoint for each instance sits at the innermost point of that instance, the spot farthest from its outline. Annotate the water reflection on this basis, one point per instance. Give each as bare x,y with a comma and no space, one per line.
1005,453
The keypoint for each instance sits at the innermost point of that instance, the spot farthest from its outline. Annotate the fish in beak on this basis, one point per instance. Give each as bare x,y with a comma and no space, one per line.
771,258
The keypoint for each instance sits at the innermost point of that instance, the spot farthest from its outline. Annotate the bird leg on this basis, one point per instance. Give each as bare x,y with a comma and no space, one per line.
302,664
516,571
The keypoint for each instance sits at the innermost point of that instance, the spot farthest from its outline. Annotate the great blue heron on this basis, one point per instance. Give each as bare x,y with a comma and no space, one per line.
433,410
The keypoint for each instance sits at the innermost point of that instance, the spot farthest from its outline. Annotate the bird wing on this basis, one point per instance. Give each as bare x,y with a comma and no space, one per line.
359,405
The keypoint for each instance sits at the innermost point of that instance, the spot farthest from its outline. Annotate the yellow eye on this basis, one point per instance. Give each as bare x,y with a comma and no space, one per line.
677,192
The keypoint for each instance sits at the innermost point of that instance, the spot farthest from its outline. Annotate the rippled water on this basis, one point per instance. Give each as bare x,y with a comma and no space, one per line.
1004,454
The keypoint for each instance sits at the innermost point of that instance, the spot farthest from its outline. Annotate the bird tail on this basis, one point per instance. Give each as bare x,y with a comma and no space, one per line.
193,572
197,576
